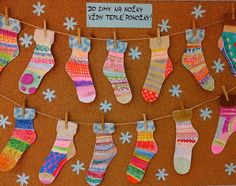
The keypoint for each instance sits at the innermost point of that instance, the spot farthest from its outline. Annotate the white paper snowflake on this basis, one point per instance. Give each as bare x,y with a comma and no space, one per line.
205,113
105,106
49,95
164,25
4,121
78,167
38,8
230,168
175,90
219,67
135,53
125,137
26,40
22,179
70,23
161,174
198,12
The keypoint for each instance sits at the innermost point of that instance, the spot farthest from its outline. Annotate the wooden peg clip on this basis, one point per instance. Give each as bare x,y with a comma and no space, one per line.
158,35
233,11
194,27
225,92
79,36
115,40
181,105
23,106
102,121
66,120
44,28
6,16
145,121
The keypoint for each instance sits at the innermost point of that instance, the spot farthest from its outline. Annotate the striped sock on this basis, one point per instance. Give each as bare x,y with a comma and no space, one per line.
186,138
22,137
8,41
145,150
41,62
78,69
62,150
105,150
193,59
114,70
159,69
226,124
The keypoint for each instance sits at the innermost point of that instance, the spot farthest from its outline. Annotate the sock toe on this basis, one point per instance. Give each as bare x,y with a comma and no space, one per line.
182,165
123,99
216,149
46,178
132,179
149,96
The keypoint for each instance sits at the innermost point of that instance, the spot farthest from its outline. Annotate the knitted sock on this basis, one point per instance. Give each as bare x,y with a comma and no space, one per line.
227,45
62,150
226,124
22,137
104,151
159,69
114,70
194,61
8,41
145,150
78,69
186,138
41,62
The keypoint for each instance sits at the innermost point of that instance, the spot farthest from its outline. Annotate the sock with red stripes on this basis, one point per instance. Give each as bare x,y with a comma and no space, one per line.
145,150
62,151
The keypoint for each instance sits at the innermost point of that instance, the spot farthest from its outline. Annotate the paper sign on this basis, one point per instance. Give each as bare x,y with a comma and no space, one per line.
119,15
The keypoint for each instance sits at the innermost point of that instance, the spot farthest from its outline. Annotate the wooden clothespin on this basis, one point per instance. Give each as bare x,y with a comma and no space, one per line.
158,35
102,121
115,40
23,106
44,28
225,92
181,105
66,120
145,121
233,11
6,16
79,36
194,27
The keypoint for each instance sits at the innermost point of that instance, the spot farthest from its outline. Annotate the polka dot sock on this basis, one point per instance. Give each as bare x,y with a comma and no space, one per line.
41,62
159,69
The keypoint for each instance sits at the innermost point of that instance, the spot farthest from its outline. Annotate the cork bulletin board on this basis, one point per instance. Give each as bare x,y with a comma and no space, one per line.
206,168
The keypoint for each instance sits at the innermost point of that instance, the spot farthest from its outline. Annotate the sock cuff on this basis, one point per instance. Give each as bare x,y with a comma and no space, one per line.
109,128
29,113
40,39
183,115
230,103
229,28
69,132
121,46
14,24
84,46
163,43
150,126
192,37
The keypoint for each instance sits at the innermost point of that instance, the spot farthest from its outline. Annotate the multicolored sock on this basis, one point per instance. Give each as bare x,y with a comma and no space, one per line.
22,137
41,62
186,138
226,124
194,61
114,70
8,41
62,150
227,45
78,69
104,151
145,150
159,69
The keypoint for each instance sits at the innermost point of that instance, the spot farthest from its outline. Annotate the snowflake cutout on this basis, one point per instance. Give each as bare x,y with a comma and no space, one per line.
135,53
70,23
175,90
22,179
230,168
77,167
218,66
125,137
205,113
38,8
197,12
4,121
164,25
105,106
161,174
26,40
49,95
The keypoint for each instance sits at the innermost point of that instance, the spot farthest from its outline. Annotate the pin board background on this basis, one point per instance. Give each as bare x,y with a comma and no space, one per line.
206,168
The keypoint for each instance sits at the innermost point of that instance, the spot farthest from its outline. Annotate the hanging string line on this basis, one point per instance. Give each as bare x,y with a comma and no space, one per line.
127,39
117,124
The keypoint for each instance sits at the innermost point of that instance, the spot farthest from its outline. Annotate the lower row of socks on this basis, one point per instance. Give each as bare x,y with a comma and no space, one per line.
105,150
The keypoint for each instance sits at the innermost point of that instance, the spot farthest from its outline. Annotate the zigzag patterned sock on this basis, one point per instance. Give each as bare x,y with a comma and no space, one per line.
159,69
145,150
114,70
22,137
194,61
226,125
41,62
62,151
8,41
104,151
78,69
186,138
